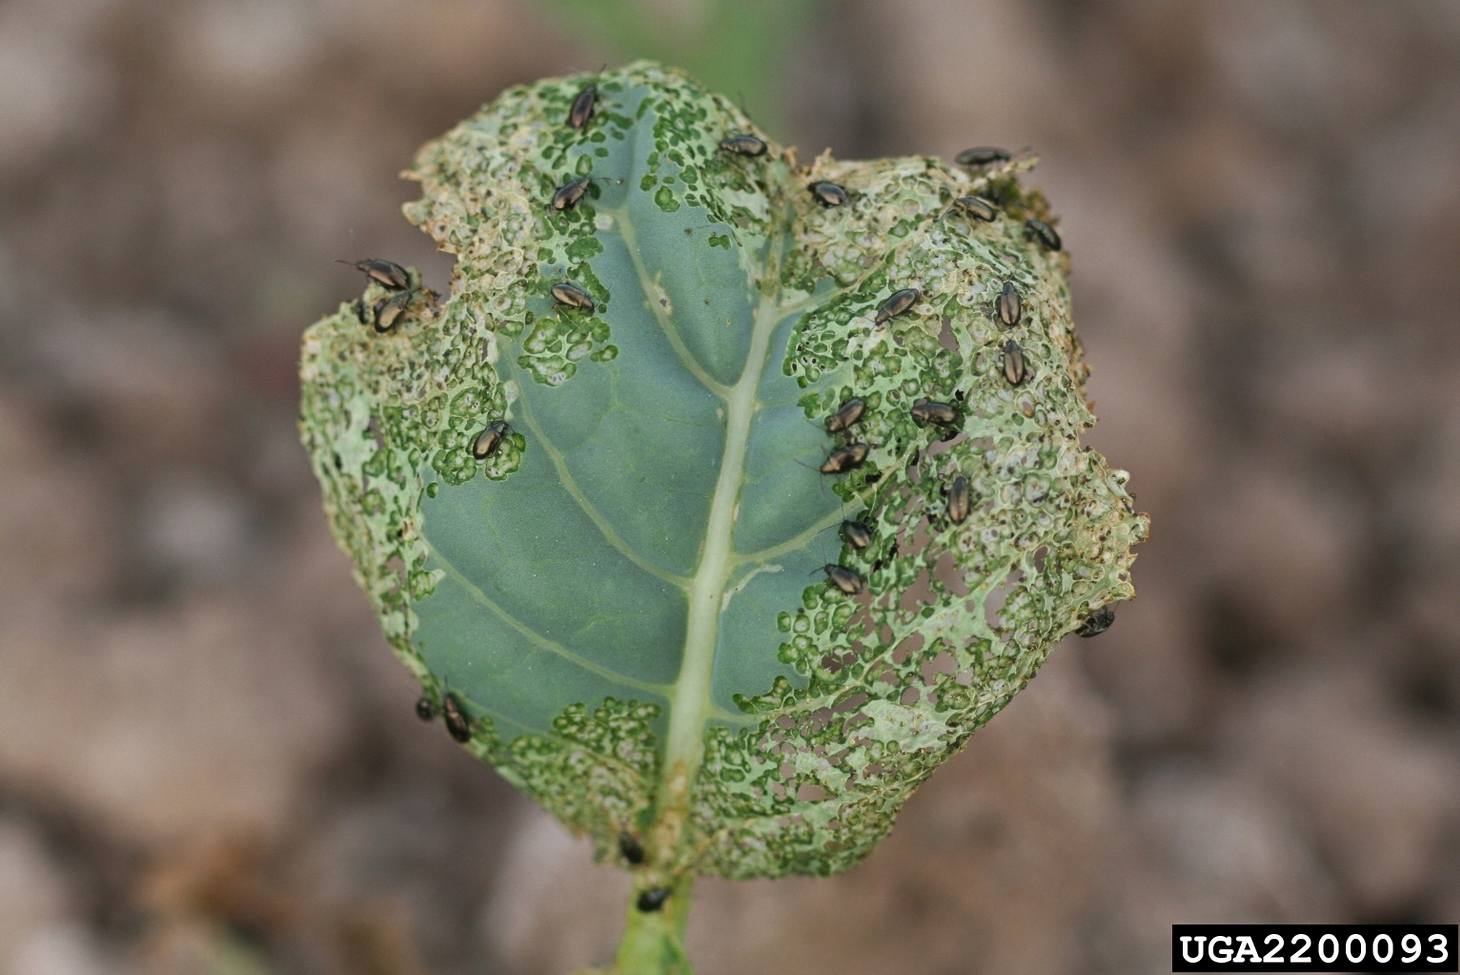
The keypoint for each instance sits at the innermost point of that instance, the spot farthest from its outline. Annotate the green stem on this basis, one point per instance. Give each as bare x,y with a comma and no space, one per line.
653,941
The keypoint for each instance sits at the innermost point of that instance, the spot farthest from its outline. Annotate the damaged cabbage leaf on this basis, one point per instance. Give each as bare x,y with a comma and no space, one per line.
638,595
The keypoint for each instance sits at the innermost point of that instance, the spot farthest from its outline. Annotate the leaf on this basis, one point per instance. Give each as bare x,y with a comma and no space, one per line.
627,596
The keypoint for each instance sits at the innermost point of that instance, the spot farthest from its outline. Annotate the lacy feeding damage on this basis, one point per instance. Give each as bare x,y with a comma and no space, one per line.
723,498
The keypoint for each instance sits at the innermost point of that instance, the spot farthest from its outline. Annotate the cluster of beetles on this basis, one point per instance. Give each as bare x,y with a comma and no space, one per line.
1008,308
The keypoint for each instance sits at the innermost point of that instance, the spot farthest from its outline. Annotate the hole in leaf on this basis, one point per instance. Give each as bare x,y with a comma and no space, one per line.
918,594
943,663
943,446
946,571
946,338
910,645
396,566
993,603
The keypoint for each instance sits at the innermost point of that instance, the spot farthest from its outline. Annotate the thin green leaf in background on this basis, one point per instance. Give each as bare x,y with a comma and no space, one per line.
737,47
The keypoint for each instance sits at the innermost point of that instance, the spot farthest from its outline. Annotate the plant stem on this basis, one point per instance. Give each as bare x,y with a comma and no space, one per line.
653,941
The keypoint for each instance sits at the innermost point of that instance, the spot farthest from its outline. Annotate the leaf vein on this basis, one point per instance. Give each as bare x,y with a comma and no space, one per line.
542,641
686,357
576,493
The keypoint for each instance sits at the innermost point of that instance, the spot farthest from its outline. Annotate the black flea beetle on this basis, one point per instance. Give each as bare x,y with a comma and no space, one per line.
565,197
653,899
844,579
490,439
829,193
744,144
456,720
1014,370
631,848
1010,305
959,500
858,535
978,207
1097,622
982,156
387,311
850,412
1044,233
581,112
846,458
896,303
931,412
387,273
567,293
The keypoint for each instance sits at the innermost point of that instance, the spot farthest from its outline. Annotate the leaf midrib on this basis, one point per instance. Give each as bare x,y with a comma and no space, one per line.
690,696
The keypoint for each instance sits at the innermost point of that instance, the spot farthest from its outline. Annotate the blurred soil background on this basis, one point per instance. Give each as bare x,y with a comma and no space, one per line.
208,760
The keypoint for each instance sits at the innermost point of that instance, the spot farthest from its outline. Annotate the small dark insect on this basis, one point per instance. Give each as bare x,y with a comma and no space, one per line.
1044,233
1097,622
387,311
359,308
931,412
858,535
388,273
851,411
565,197
571,295
744,144
845,458
653,899
456,720
490,439
583,103
896,303
631,848
1010,305
844,579
978,207
425,710
958,500
982,156
1013,363
829,193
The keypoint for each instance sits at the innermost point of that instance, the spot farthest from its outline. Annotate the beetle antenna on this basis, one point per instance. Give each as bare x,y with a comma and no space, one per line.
743,110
